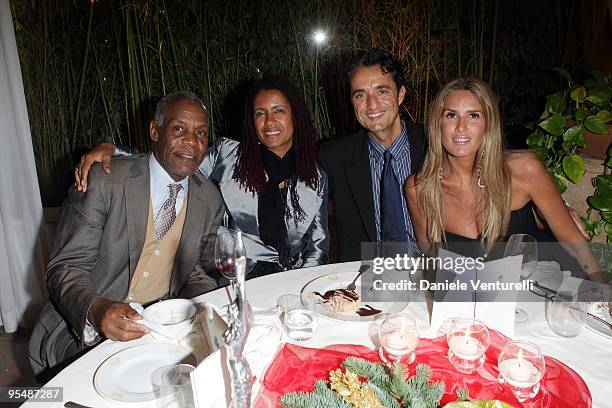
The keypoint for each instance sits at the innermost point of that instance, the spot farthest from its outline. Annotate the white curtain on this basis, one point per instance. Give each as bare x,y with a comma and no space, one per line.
22,245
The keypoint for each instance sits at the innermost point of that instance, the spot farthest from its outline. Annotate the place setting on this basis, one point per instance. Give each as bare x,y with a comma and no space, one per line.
150,372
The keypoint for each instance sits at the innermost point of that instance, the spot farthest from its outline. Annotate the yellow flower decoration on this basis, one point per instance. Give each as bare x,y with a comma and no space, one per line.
347,385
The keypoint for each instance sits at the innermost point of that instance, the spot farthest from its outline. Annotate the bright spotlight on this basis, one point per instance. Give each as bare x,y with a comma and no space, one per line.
319,37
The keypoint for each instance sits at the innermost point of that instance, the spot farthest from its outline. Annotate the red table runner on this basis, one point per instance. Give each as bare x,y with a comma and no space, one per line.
297,368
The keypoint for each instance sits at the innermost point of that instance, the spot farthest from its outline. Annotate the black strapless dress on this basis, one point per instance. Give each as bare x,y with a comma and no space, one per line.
522,221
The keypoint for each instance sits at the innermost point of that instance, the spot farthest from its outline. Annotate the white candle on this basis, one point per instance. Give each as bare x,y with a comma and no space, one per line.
466,347
519,372
399,343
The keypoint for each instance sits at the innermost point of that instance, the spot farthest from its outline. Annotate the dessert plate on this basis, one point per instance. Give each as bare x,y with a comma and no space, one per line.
127,375
335,281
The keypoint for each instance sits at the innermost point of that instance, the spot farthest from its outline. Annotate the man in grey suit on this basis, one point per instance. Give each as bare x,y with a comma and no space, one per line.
143,233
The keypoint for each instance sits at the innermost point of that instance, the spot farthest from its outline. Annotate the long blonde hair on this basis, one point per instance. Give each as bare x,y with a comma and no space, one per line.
494,199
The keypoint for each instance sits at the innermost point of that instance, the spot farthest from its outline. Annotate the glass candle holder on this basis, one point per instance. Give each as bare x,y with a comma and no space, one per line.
468,340
521,366
399,336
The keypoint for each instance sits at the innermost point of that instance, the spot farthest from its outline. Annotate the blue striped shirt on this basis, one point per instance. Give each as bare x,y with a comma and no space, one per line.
400,153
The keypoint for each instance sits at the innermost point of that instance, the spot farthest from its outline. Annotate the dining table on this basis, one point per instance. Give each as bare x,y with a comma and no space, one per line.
589,354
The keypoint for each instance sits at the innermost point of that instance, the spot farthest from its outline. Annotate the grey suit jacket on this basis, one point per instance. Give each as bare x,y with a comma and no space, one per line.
309,240
98,243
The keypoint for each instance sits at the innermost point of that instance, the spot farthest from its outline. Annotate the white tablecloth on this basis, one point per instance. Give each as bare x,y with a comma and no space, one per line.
589,354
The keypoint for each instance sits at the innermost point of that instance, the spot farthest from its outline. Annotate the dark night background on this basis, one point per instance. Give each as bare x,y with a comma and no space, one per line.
94,70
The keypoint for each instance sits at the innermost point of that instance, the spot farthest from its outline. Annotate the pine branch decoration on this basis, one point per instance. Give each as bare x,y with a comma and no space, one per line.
385,398
320,397
384,388
420,392
463,394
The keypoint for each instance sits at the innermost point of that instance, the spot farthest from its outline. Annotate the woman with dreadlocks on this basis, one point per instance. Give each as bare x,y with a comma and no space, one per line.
273,189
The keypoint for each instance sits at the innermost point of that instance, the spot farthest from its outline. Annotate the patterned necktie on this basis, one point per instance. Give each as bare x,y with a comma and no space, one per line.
392,225
167,213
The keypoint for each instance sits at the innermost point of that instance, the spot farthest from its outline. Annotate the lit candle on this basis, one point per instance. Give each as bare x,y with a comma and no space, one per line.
399,343
519,372
466,347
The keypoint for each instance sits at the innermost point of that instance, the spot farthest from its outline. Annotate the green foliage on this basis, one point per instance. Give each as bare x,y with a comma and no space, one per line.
599,215
376,373
386,399
391,387
463,394
92,71
560,130
321,397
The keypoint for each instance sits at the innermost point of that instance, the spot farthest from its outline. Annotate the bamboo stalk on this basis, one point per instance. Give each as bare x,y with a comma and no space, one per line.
83,75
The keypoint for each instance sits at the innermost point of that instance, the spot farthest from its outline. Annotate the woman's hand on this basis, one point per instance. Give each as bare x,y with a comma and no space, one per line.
101,153
579,224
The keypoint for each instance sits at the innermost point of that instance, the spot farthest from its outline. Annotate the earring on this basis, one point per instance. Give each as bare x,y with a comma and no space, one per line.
440,173
478,172
478,182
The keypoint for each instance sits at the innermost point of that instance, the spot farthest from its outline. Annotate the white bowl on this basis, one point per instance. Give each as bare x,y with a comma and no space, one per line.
173,313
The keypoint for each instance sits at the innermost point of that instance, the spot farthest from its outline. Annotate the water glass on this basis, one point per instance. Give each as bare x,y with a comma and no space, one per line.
399,336
299,317
175,390
521,366
565,315
468,340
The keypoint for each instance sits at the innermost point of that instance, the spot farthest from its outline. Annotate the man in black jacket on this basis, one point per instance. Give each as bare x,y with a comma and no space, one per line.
367,170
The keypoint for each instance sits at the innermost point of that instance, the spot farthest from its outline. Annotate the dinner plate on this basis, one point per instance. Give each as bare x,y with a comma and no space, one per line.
335,281
600,310
126,375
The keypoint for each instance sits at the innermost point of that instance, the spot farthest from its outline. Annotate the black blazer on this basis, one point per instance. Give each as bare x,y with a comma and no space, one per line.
347,164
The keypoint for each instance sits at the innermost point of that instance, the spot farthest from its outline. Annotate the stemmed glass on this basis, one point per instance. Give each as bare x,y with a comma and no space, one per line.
526,245
229,253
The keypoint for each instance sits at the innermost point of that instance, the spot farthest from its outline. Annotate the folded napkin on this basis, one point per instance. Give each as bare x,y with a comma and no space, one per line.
264,338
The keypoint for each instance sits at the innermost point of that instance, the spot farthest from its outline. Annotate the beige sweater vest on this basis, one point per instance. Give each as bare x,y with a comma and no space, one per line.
151,279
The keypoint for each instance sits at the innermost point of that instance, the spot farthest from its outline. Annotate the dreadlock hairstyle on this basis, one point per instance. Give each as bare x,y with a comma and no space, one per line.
249,169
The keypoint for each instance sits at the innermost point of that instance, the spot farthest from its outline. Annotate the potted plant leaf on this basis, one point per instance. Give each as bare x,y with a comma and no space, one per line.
599,214
593,106
569,115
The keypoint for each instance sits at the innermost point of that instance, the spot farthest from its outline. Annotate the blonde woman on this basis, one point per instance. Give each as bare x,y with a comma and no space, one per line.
471,190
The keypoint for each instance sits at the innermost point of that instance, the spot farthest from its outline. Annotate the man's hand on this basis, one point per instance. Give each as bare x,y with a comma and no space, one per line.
101,153
116,320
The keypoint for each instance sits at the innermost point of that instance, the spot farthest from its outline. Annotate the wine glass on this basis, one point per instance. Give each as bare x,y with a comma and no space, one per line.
526,245
229,253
